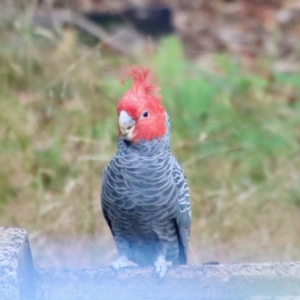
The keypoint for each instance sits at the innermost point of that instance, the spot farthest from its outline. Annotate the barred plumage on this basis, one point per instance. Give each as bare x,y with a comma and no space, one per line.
145,201
145,198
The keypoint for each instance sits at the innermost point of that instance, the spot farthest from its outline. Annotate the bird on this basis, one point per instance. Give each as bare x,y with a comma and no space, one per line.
145,197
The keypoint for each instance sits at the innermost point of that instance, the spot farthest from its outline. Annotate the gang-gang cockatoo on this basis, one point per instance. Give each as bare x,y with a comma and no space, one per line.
145,198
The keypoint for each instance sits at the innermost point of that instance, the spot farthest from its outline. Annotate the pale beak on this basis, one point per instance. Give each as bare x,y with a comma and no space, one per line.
126,124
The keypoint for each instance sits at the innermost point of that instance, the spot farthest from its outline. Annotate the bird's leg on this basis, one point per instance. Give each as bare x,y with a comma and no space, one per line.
161,265
122,261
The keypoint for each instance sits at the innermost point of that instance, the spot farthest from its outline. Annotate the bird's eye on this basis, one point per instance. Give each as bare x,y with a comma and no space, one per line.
145,114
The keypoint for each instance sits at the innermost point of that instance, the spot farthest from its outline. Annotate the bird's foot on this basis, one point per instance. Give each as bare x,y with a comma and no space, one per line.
122,262
161,266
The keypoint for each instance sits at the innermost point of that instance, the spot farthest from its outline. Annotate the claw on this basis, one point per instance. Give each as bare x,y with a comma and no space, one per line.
122,262
161,266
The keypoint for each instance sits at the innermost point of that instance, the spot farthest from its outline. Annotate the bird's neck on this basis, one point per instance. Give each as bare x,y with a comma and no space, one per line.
146,148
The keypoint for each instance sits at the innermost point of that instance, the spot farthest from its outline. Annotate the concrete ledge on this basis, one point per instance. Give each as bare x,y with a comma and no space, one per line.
20,281
236,281
16,268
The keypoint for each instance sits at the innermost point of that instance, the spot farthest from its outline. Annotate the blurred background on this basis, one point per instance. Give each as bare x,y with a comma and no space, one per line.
229,73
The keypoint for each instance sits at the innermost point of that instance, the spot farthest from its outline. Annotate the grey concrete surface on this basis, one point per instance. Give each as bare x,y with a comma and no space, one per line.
19,280
234,281
17,275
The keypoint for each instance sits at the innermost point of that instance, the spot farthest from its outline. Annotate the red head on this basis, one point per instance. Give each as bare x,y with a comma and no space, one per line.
141,114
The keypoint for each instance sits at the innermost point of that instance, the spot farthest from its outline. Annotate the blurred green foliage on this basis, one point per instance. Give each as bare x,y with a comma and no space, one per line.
235,132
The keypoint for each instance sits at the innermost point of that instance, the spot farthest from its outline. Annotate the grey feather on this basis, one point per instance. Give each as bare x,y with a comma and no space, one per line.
146,203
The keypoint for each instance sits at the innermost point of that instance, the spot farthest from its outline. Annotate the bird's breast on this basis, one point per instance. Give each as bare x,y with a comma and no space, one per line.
139,188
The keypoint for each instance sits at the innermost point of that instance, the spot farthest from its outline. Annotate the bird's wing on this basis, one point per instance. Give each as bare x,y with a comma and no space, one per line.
184,212
103,202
